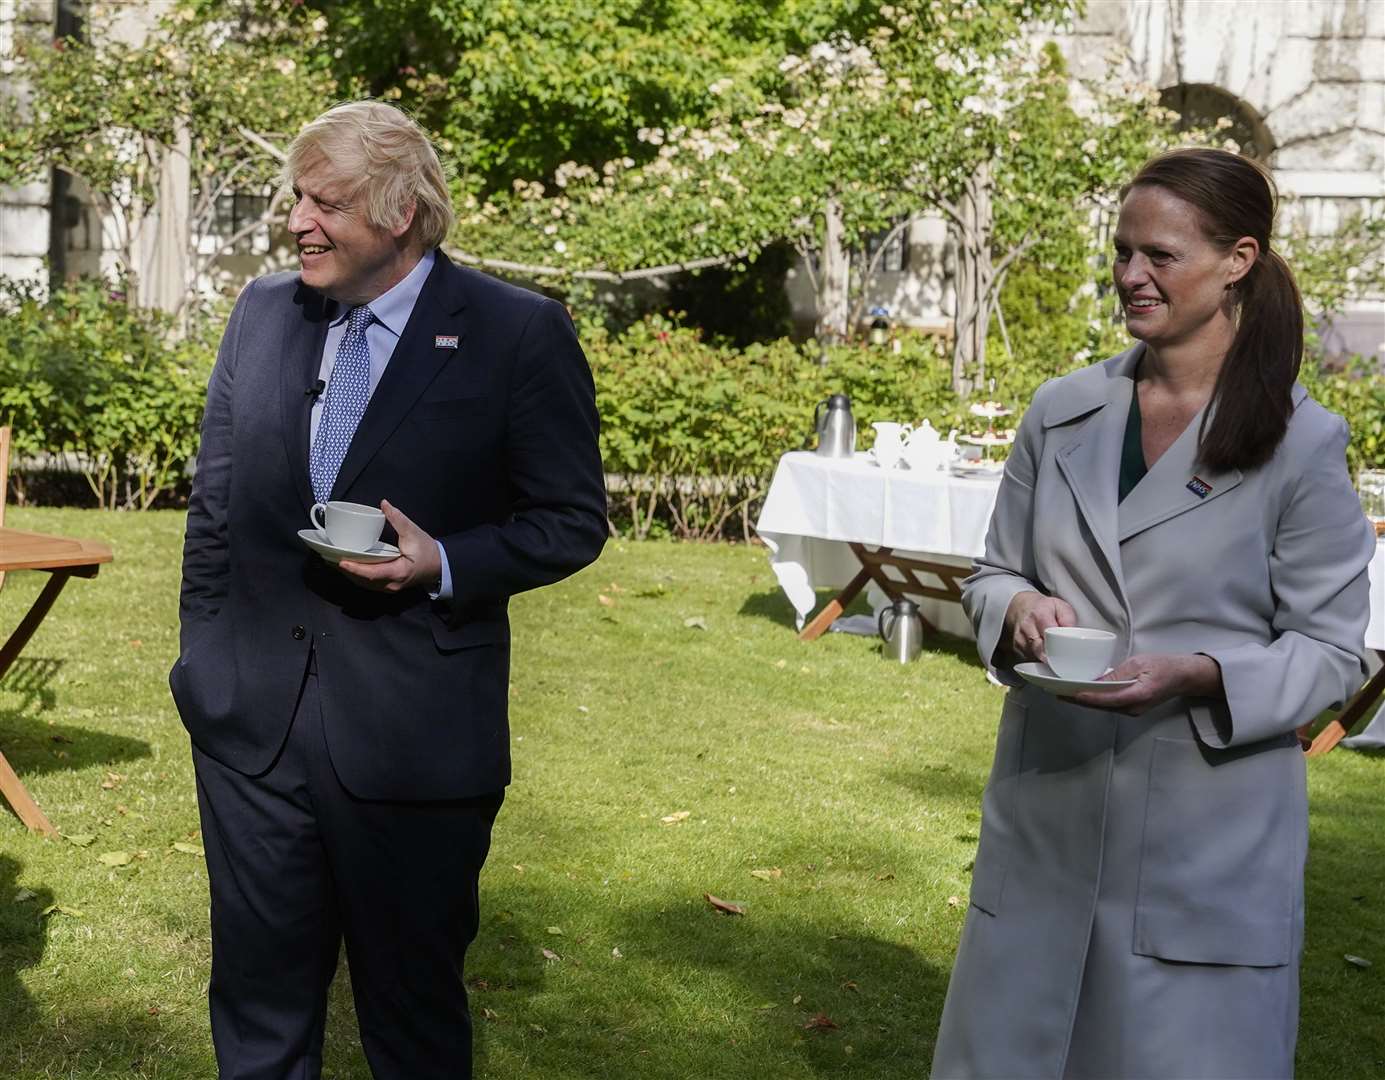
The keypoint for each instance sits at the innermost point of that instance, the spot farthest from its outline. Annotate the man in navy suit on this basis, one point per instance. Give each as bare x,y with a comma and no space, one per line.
348,720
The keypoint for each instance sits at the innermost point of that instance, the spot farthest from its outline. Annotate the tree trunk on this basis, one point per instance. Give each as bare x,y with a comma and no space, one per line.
975,281
834,278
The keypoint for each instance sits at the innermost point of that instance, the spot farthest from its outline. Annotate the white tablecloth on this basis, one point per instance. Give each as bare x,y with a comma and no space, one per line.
815,505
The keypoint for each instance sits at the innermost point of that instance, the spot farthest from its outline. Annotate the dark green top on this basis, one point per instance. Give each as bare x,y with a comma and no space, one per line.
1133,466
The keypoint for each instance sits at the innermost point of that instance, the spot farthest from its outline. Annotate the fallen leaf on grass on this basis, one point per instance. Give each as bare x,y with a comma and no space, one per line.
697,622
186,848
115,858
604,600
674,819
557,931
112,781
490,1014
781,664
821,1022
60,738
1356,961
954,901
850,984
59,909
616,954
767,875
549,954
23,896
80,839
723,905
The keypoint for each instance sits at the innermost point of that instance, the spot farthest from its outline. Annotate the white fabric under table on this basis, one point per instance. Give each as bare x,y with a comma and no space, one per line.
1373,735
816,506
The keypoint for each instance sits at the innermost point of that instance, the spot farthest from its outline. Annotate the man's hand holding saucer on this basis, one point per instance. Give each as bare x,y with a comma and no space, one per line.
419,564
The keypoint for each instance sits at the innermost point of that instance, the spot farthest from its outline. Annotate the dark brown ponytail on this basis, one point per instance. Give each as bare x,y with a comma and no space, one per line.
1253,398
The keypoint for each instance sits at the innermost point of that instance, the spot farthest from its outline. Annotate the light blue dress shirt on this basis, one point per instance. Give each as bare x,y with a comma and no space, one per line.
391,310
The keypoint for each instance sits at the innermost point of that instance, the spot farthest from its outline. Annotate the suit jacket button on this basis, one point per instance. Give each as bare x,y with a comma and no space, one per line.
299,633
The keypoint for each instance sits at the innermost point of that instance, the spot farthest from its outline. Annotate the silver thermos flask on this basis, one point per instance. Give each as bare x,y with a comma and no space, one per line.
901,631
835,426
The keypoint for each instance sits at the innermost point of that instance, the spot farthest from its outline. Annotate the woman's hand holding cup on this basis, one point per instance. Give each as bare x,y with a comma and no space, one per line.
1028,616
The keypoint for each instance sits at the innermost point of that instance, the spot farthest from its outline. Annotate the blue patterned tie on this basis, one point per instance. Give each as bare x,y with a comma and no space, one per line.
347,395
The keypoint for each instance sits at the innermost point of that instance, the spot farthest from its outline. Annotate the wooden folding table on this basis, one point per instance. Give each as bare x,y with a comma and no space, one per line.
63,558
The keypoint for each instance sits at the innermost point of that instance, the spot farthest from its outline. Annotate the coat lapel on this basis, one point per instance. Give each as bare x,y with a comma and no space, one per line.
415,363
1094,421
304,335
1175,484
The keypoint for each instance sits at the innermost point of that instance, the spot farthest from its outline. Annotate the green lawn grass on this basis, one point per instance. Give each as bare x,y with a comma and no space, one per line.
833,795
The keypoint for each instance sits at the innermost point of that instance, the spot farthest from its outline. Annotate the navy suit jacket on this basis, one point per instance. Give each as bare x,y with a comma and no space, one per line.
490,447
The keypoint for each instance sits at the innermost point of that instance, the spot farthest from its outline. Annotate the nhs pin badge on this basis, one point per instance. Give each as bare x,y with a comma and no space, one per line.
1199,487
445,341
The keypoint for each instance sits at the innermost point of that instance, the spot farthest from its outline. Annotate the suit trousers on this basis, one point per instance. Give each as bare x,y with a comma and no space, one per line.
297,864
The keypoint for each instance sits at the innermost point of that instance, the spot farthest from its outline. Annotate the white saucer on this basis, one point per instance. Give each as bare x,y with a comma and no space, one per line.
1044,679
317,540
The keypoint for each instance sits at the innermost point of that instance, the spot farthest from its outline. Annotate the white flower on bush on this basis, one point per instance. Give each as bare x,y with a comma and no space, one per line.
822,146
653,136
720,86
1090,147
795,118
560,247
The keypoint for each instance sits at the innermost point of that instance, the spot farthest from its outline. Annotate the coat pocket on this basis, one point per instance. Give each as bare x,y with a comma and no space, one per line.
998,810
469,635
1221,862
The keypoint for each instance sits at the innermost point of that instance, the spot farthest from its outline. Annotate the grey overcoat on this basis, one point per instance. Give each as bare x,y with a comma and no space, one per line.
1137,897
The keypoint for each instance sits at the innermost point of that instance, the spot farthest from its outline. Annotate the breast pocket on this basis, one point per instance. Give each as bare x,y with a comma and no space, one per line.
998,810
1221,863
450,409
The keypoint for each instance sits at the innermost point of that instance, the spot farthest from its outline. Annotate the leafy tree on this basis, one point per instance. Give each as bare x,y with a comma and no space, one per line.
212,85
941,107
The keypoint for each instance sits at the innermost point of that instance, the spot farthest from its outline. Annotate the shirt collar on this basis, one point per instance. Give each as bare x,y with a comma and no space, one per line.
393,307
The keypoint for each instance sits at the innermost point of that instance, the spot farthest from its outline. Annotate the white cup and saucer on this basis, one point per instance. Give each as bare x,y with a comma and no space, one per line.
1077,658
347,530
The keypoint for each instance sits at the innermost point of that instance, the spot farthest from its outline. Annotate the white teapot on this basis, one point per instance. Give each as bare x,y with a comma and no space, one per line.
926,451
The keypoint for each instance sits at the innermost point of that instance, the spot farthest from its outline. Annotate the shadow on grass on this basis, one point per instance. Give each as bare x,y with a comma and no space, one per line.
772,605
698,993
32,680
33,745
22,941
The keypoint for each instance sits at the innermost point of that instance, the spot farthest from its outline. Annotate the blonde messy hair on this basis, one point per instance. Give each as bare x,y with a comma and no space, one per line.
386,156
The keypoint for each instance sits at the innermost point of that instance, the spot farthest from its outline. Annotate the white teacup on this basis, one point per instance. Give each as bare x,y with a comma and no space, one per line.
889,443
349,525
1079,652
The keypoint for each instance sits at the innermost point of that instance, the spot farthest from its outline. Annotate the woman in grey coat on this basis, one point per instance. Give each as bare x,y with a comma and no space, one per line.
1137,897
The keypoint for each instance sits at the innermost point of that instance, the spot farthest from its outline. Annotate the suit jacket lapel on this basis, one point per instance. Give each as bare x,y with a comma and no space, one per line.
414,364
305,333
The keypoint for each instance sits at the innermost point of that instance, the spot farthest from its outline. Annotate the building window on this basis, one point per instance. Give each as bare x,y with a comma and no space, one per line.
895,260
234,216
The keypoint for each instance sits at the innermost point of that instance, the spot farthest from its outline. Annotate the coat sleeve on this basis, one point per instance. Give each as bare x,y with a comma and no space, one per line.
1318,573
206,562
557,489
1008,566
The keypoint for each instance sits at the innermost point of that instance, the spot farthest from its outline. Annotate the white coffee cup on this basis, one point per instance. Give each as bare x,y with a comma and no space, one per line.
889,443
348,525
1079,652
